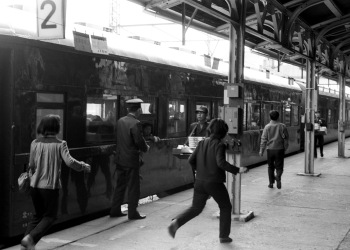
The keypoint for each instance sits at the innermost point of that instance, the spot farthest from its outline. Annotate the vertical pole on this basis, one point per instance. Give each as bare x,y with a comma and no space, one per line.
309,117
232,180
310,106
341,130
183,23
237,194
236,78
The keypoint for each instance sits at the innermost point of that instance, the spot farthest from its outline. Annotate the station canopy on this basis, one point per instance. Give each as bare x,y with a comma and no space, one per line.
291,31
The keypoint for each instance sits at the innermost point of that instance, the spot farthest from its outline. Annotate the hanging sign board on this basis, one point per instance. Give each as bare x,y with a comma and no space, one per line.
51,19
81,41
99,45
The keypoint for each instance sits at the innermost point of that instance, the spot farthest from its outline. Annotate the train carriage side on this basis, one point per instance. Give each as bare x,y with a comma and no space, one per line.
328,105
263,93
6,147
89,91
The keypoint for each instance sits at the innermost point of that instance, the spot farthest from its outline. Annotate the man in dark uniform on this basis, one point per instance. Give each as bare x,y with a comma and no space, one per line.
130,144
318,133
200,128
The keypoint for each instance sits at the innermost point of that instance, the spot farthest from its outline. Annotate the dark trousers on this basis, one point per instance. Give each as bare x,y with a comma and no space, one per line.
127,178
45,203
202,190
275,161
320,140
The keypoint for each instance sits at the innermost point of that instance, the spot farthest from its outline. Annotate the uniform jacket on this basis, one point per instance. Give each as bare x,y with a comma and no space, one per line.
197,131
209,161
46,154
275,136
130,142
322,123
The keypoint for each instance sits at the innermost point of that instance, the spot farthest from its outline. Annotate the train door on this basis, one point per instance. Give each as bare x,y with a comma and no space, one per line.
265,113
29,109
7,179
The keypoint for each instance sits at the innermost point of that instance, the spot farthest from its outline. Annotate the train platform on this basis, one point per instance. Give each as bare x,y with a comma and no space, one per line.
307,213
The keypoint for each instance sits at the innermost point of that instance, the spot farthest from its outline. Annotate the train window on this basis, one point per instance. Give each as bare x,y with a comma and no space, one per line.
50,103
148,117
253,116
286,116
329,116
295,115
278,107
177,118
101,118
266,114
41,112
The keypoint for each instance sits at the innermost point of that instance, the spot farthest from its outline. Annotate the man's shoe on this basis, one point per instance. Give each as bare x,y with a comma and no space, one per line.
279,184
137,216
113,215
321,154
225,240
28,242
270,185
173,228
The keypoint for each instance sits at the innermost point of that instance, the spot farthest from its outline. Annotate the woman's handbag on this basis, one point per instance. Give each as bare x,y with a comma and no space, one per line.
24,182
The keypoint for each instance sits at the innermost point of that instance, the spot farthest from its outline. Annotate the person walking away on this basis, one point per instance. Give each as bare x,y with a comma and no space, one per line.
209,160
46,155
130,145
275,140
319,135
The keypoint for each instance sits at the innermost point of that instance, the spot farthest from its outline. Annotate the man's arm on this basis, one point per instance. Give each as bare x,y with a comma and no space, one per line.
286,139
136,132
263,142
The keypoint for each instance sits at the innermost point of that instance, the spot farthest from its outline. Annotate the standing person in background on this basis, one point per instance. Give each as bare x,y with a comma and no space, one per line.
46,155
275,139
147,133
209,159
199,128
130,145
319,134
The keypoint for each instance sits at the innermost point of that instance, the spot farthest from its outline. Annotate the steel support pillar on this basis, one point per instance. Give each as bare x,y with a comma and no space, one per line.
341,121
235,78
310,106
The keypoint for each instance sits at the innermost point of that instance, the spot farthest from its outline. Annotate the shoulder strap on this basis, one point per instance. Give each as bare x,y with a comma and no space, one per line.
191,134
193,130
281,131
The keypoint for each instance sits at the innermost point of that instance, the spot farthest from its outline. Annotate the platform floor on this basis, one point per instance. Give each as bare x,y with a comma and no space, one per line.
307,213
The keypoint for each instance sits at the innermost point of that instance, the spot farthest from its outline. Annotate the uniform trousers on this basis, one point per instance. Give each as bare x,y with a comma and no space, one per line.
275,161
45,203
202,190
127,178
320,140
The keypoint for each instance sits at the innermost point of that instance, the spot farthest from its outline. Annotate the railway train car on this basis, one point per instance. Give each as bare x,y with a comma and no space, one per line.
89,91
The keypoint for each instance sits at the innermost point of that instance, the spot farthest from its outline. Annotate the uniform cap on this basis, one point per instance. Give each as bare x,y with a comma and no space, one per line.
202,109
317,112
134,102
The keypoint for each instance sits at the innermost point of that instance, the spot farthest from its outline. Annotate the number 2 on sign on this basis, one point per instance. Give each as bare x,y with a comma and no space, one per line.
44,25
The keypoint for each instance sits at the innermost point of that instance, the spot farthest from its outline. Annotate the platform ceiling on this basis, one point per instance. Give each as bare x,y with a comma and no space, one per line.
329,17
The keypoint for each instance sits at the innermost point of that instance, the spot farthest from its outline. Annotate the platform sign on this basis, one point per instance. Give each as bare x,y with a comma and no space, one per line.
99,45
82,41
51,19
